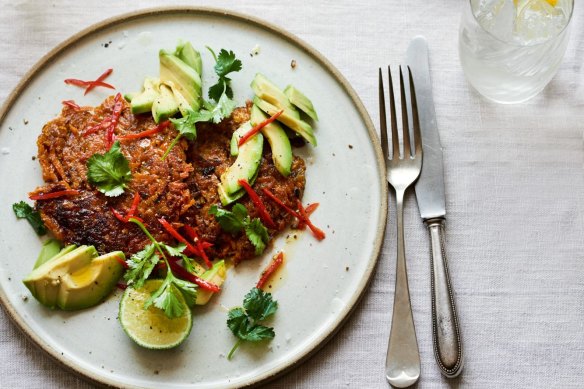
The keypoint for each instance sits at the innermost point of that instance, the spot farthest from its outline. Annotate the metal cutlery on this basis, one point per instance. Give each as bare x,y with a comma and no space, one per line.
402,365
432,205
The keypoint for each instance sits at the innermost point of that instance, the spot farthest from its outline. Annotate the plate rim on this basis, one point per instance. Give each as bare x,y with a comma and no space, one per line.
365,280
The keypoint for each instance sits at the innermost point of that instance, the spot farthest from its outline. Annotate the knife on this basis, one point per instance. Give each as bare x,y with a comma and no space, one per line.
432,206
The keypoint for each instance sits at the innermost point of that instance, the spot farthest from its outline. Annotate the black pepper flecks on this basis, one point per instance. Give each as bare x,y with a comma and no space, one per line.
351,147
293,64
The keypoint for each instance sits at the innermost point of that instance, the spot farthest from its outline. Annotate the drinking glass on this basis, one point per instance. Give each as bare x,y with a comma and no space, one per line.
511,49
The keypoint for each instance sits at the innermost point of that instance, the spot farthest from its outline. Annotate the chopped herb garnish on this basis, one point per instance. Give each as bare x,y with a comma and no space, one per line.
24,211
109,172
237,219
243,322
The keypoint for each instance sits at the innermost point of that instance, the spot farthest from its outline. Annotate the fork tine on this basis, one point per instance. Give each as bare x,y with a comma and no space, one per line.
382,118
394,136
404,109
415,118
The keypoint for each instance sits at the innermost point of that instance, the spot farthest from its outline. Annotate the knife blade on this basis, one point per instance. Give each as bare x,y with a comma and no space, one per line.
430,195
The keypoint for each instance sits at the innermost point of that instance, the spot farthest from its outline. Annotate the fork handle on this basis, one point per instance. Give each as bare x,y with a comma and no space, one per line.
402,364
445,328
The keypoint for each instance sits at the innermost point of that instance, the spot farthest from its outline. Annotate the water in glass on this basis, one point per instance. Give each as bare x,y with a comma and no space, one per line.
511,49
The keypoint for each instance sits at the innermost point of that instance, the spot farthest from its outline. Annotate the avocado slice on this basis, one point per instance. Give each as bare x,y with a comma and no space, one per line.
49,250
164,106
297,125
302,102
142,102
215,275
88,286
268,91
187,53
245,166
278,140
76,279
183,79
42,259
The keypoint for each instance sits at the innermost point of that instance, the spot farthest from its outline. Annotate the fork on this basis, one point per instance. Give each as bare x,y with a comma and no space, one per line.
402,364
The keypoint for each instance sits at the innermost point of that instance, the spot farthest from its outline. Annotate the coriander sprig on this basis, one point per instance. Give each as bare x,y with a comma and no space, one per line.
237,219
244,321
141,265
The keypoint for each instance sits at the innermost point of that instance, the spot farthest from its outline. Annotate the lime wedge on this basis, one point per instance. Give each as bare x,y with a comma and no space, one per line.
151,328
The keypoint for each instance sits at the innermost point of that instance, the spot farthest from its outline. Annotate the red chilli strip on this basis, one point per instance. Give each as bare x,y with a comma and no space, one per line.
309,211
192,233
181,273
54,195
134,207
117,111
122,262
259,204
146,133
71,104
121,286
99,81
204,244
281,204
119,216
88,84
317,232
274,265
97,127
178,236
258,127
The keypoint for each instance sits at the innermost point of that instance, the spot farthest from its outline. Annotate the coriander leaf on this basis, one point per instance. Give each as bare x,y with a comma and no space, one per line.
24,211
259,304
239,211
188,290
140,266
257,234
229,221
109,172
223,108
178,252
166,298
259,332
186,127
237,321
175,251
216,91
227,63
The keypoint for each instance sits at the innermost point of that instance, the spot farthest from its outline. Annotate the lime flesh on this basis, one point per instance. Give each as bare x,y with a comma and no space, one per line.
151,328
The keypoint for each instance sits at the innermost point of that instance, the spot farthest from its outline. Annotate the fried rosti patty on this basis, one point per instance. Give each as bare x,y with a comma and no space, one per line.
181,189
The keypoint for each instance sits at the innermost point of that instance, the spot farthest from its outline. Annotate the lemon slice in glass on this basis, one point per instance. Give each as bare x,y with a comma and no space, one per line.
151,328
538,20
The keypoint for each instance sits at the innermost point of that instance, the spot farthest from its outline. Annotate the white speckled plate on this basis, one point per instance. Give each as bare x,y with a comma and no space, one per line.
322,281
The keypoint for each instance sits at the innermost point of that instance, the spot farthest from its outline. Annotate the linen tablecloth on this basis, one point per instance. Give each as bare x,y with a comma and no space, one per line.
514,188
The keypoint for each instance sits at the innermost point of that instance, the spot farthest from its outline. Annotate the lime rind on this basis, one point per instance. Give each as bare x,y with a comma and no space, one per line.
151,328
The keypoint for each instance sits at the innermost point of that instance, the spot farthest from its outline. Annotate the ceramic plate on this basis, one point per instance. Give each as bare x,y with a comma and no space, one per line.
322,281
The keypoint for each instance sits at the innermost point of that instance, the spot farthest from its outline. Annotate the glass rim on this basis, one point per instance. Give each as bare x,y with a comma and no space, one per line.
512,43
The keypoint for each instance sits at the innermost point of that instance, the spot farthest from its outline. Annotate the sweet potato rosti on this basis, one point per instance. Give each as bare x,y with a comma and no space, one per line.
181,188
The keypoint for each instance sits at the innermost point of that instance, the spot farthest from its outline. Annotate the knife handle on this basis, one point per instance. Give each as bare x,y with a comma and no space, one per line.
445,328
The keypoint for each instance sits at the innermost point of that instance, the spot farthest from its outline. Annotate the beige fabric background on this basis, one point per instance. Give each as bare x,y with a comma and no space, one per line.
514,186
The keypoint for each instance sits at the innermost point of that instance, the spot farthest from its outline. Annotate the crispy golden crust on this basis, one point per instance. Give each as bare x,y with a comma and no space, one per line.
87,218
180,189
